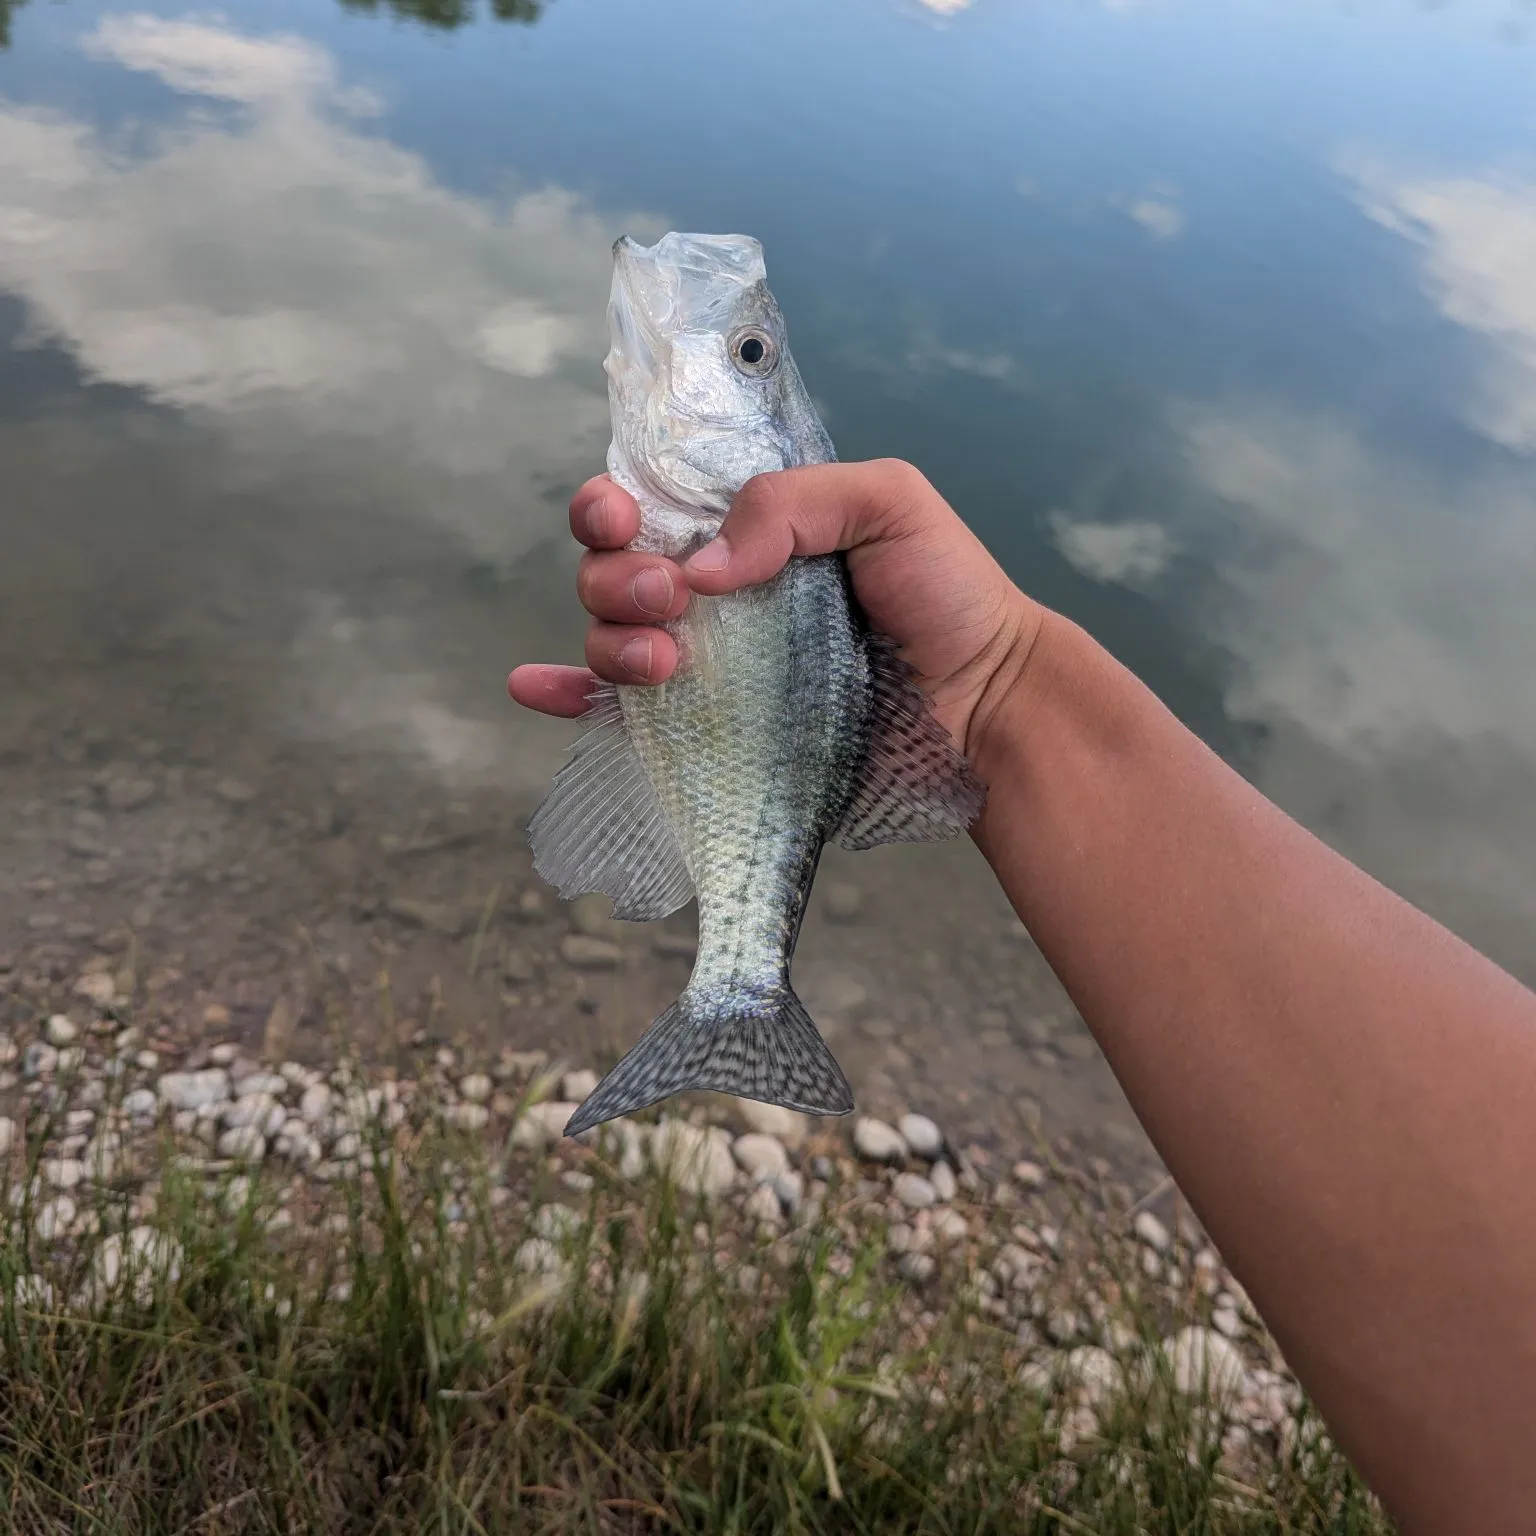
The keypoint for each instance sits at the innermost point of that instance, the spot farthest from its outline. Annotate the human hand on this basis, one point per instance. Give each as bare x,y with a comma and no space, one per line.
920,575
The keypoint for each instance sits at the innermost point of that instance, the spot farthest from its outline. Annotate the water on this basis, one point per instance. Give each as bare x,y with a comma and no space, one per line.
1215,321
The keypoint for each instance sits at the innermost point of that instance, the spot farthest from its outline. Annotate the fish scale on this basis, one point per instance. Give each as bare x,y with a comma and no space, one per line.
787,725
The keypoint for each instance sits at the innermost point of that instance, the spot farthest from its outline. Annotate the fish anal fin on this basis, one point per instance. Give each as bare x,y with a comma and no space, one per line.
914,785
601,827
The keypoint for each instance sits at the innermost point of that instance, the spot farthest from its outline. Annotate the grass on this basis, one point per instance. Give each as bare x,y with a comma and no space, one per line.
389,1357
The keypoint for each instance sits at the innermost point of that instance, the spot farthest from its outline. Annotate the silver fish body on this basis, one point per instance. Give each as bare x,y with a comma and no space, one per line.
787,725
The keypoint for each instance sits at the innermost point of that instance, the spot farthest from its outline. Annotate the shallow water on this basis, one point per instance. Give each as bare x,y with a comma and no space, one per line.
1215,322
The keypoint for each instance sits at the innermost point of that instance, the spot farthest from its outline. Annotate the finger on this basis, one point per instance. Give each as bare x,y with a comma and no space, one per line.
552,690
629,653
603,516
812,511
625,587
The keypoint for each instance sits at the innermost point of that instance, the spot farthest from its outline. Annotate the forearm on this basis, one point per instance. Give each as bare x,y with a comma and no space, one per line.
1345,1092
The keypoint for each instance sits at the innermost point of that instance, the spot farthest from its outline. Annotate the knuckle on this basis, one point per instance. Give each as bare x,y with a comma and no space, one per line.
760,499
904,493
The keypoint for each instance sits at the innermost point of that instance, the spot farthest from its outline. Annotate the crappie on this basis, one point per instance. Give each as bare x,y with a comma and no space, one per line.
788,723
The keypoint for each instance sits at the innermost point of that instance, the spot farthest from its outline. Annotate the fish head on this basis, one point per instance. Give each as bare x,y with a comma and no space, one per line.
703,391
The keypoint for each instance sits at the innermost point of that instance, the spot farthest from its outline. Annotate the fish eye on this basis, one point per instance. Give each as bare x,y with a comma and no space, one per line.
753,352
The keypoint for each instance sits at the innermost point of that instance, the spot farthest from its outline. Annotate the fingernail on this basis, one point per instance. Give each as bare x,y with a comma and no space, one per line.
599,519
714,556
635,657
652,590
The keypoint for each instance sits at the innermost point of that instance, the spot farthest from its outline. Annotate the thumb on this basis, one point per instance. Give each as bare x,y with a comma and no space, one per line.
813,510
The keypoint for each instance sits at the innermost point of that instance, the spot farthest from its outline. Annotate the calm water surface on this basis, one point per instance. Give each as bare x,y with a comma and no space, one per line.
1218,322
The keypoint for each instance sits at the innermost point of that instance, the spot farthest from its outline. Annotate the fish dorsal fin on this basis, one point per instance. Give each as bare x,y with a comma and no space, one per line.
601,827
913,786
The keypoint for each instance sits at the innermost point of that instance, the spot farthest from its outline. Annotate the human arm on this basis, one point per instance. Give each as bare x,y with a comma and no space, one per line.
1345,1092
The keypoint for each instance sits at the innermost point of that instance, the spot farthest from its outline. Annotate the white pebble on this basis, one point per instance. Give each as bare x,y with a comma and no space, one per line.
541,1125
7,1134
537,1255
784,1125
697,1158
578,1085
244,1143
39,1059
248,1109
1152,1232
914,1191
346,1146
790,1188
64,1172
54,1218
97,988
1225,1320
763,1205
921,1135
1029,1175
33,1291
1063,1325
100,1155
761,1157
1203,1361
60,1030
9,1050
877,1141
555,1221
945,1185
273,1084
475,1087
916,1267
145,1255
224,1055
141,1104
191,1090
315,1103
949,1226
468,1117
1096,1373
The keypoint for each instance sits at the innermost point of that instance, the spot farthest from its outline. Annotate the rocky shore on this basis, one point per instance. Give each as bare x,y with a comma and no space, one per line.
1090,1290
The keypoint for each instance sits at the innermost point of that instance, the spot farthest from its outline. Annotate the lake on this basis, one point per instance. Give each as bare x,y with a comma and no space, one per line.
1218,322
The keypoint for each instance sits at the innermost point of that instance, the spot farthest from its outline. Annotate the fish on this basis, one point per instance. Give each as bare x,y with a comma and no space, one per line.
789,724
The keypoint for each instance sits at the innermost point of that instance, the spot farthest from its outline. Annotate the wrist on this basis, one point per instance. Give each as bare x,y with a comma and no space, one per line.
1012,691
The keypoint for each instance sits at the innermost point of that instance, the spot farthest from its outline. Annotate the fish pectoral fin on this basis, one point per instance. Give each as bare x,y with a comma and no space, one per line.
601,827
766,1049
914,785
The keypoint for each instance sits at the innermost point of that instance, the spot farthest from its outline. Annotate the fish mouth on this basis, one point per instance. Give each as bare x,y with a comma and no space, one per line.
682,282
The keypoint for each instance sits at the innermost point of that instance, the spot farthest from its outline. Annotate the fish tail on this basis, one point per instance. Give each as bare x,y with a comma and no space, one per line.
765,1048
